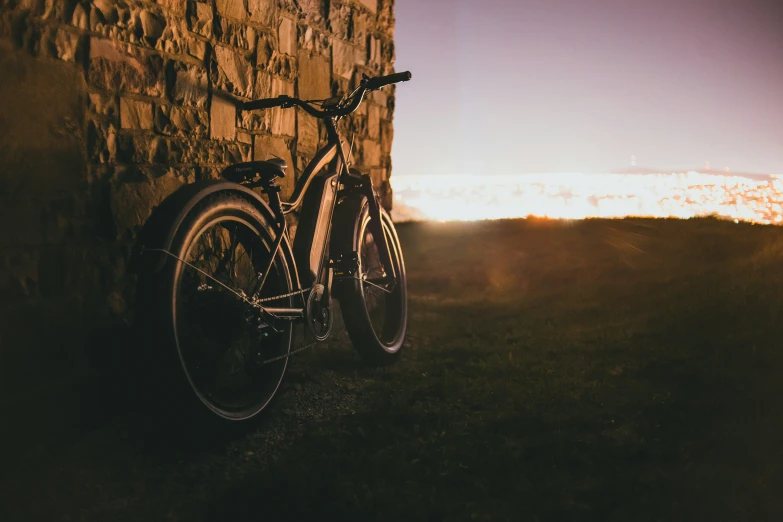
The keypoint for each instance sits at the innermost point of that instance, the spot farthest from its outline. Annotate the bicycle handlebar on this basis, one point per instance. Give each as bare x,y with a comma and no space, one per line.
266,103
383,81
369,84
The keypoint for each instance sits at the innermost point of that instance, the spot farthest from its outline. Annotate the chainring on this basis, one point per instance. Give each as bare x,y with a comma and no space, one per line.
318,313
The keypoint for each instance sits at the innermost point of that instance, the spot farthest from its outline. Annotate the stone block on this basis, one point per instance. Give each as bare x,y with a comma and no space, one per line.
61,43
152,25
201,18
176,39
374,122
386,195
385,20
283,120
387,53
374,52
158,150
359,26
181,121
101,104
371,5
264,50
101,142
187,151
189,84
315,77
58,10
371,153
236,9
262,11
263,86
340,20
283,66
108,10
287,36
135,114
235,73
345,57
207,152
132,203
308,134
222,119
379,97
119,67
125,149
256,121
280,86
378,176
313,11
175,7
387,137
267,147
197,49
244,137
236,34
145,149
80,18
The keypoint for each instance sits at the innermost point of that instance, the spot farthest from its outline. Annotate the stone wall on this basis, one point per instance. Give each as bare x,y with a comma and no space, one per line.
108,106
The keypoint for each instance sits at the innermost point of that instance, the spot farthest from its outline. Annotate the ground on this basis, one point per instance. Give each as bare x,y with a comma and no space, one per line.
586,370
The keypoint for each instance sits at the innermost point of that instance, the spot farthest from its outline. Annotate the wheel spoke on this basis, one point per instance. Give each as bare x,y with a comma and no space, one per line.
222,335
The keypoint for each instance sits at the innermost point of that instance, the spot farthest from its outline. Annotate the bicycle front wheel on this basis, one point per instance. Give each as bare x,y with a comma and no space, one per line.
374,303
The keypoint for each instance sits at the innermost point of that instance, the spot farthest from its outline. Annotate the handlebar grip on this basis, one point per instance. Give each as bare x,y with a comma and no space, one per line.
382,81
266,103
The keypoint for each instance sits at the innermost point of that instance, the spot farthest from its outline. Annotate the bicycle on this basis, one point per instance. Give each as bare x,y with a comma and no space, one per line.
223,285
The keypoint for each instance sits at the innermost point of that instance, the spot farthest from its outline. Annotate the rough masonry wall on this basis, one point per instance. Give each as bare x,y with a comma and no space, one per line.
108,106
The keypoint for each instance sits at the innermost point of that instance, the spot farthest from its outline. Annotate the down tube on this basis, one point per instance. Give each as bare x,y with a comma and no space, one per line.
313,230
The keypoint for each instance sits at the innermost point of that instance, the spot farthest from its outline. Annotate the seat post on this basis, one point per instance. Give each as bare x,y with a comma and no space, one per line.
272,190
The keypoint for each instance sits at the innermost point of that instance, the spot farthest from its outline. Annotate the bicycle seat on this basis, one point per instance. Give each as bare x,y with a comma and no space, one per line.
270,169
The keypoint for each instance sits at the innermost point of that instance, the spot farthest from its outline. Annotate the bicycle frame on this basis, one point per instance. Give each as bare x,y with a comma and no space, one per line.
317,192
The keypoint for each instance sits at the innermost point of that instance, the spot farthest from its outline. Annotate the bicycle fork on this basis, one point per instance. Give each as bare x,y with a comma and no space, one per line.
363,183
376,227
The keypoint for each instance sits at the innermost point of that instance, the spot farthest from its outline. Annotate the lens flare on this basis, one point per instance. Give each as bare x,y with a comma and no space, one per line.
757,199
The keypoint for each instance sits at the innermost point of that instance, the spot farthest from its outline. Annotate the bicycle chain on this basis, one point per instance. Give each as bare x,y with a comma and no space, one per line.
267,299
241,295
252,302
289,354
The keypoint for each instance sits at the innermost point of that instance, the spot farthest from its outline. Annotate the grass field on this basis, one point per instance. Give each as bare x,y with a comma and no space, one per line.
592,370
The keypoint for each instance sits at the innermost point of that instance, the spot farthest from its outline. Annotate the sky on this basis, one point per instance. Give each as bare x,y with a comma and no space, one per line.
517,86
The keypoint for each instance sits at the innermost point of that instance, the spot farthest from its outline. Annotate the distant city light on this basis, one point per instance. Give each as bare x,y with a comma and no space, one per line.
757,199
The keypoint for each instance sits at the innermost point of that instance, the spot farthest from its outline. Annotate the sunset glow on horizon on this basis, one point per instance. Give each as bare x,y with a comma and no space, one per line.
757,199
573,87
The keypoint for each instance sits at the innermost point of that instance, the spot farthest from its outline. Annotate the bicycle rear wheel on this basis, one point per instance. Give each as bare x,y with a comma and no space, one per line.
375,313
221,341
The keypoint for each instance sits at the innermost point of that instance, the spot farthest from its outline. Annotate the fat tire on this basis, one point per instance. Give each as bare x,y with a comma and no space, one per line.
351,219
170,390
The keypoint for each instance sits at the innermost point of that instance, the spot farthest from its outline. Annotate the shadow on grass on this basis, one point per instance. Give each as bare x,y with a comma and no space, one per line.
623,370
607,387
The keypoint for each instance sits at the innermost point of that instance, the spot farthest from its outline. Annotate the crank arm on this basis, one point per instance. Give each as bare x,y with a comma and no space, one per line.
284,313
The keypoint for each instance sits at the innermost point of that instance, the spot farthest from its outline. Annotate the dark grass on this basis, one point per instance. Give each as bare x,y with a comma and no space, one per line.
593,370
